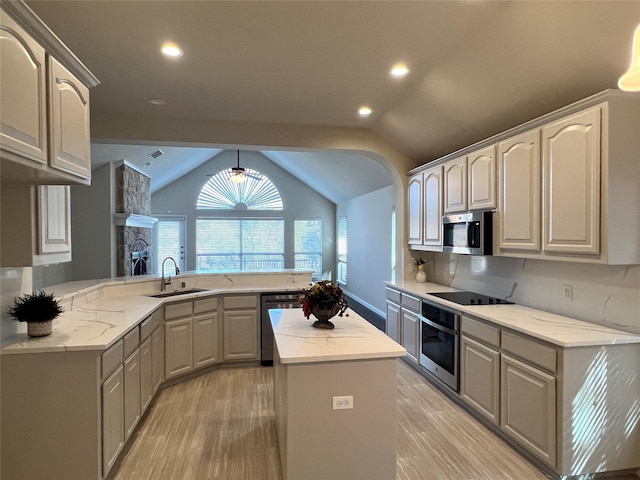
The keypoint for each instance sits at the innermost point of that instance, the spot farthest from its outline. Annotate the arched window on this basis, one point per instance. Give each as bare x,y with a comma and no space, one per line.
256,192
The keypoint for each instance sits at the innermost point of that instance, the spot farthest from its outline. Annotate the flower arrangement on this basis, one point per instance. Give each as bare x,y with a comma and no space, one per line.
322,295
419,261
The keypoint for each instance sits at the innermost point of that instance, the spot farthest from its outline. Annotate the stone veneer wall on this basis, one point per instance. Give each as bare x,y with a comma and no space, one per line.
132,196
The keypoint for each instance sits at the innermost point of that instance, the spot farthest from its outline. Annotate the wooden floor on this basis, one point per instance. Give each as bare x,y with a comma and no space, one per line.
220,425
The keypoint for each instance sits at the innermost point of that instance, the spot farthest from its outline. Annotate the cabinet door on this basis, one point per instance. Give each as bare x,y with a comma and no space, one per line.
54,219
410,326
205,339
480,378
519,193
23,99
146,374
455,185
112,419
178,347
415,209
157,354
482,179
68,122
240,335
131,393
432,185
571,163
528,407
393,321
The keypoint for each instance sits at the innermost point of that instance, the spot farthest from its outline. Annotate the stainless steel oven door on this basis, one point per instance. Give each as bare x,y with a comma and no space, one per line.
439,349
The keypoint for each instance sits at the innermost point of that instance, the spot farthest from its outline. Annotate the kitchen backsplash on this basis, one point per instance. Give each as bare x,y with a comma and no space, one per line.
603,294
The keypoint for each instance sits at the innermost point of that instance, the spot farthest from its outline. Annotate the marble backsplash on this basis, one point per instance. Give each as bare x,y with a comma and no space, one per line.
602,294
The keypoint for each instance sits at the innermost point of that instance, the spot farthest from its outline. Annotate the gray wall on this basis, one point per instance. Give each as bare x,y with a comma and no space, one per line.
369,245
299,201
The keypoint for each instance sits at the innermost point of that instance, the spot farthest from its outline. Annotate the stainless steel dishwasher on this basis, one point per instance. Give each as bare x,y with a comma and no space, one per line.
269,301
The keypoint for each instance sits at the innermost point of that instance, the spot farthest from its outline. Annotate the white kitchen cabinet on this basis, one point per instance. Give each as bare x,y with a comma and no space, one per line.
157,354
69,122
205,331
519,193
36,225
415,214
146,374
23,97
480,378
528,407
240,328
571,172
131,393
455,185
178,347
481,184
433,208
392,324
44,92
112,419
410,325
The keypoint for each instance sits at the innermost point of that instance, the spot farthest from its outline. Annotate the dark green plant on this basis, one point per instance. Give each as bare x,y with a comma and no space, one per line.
36,307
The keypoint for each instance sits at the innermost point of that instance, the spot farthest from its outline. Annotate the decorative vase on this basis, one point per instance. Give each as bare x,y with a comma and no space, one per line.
323,314
421,276
39,329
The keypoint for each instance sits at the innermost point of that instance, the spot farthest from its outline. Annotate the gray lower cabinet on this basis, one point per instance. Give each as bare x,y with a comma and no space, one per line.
480,378
410,328
240,328
131,393
146,373
157,354
178,347
112,419
393,321
528,407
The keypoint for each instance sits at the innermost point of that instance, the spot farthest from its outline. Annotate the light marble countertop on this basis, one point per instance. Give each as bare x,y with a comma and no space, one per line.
98,324
353,338
556,329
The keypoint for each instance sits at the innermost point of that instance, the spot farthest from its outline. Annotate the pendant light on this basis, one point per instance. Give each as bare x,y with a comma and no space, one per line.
630,81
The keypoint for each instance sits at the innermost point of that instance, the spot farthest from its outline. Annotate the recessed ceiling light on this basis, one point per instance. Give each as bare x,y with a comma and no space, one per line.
171,50
364,111
157,101
399,71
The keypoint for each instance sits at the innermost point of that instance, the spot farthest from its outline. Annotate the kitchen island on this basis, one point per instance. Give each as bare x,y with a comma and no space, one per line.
320,435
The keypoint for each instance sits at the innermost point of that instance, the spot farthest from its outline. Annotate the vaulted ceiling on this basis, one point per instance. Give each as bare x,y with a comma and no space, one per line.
476,67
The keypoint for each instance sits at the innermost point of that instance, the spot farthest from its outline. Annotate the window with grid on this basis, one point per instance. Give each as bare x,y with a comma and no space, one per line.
238,244
342,250
308,245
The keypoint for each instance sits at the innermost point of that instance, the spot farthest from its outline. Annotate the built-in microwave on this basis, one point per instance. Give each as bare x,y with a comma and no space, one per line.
468,233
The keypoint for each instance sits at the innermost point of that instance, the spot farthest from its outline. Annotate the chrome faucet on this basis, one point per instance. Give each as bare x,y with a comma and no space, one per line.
166,282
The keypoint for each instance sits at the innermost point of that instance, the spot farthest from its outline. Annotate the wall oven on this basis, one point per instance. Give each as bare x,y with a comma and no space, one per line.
440,343
468,233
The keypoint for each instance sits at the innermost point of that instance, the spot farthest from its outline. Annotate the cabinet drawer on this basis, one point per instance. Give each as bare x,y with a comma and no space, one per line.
205,305
529,350
146,328
112,358
131,342
411,303
178,310
481,331
241,302
393,296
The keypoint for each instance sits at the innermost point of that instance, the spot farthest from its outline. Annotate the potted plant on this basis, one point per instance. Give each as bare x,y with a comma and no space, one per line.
38,309
323,300
421,275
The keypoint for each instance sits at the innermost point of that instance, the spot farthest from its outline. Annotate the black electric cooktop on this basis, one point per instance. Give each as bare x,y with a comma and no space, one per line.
470,298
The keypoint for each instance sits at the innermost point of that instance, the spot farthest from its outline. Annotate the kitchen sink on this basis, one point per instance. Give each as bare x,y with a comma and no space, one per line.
177,292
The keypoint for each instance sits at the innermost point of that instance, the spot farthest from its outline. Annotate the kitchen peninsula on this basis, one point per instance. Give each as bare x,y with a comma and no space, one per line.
335,398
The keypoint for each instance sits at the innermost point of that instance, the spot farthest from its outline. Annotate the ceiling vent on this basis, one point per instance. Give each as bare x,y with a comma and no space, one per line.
156,153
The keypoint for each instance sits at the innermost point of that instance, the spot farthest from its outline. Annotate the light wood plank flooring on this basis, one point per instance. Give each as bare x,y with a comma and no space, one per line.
220,425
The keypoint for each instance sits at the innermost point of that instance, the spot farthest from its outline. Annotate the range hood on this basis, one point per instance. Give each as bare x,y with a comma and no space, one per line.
133,220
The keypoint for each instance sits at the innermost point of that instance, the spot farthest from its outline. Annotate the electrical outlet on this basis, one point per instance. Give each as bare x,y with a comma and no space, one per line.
568,293
342,403
291,279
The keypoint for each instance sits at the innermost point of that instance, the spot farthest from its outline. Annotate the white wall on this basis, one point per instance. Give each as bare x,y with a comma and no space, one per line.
299,201
602,294
369,232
